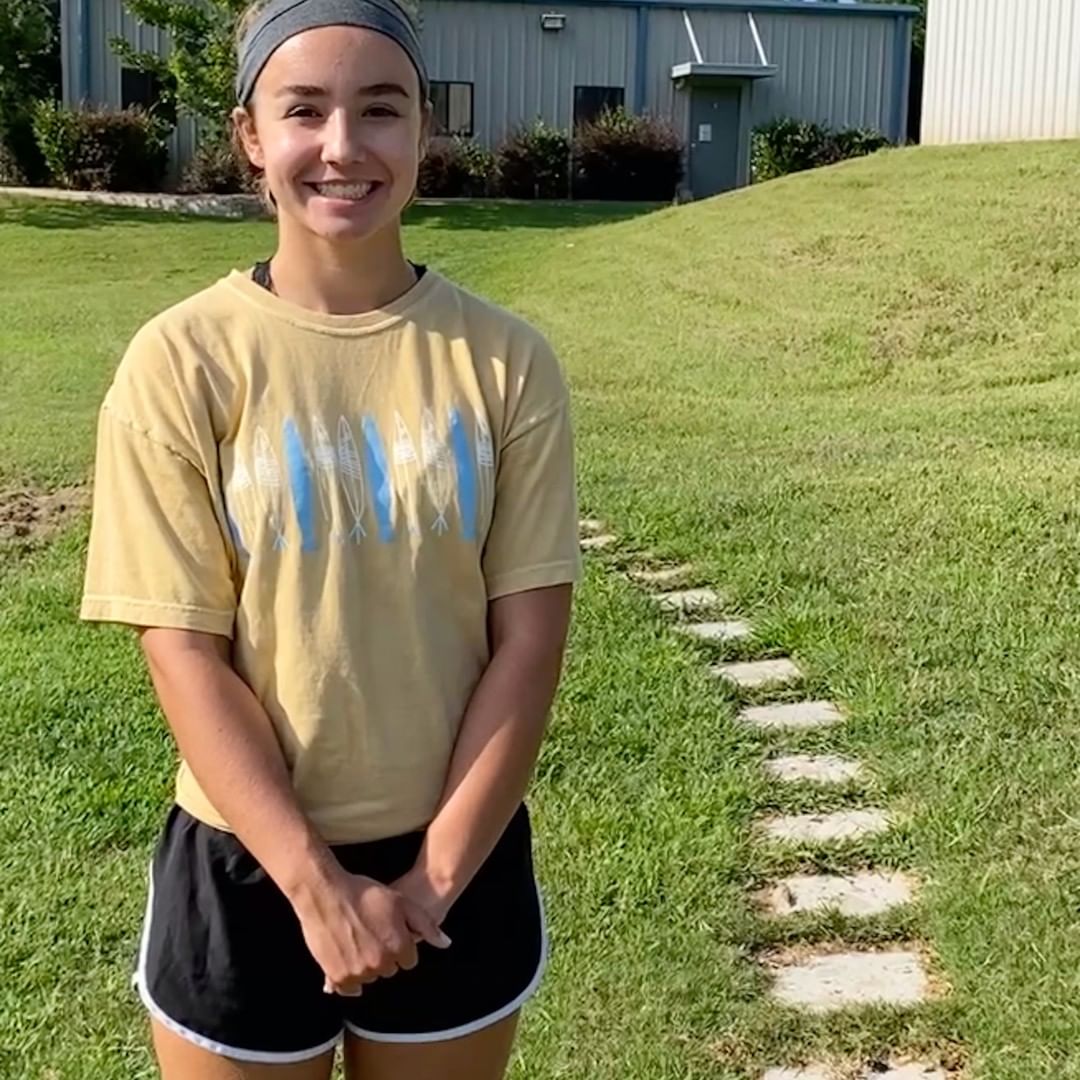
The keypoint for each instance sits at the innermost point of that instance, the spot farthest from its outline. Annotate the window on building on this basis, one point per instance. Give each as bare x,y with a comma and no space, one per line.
591,101
142,88
452,103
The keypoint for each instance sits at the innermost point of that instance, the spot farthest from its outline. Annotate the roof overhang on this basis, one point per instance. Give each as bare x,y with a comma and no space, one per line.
694,72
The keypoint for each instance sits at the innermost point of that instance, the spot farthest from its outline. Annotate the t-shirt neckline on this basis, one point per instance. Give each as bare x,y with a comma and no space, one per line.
364,322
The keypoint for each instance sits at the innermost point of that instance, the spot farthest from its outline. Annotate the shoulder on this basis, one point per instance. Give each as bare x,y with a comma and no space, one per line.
506,340
176,364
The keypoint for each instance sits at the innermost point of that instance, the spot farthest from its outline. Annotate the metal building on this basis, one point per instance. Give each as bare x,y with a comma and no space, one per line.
716,68
1000,70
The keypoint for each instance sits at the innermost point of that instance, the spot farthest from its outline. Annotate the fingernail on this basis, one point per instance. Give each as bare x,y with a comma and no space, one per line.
444,941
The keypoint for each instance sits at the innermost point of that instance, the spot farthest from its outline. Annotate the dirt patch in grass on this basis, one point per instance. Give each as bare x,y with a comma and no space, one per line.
29,517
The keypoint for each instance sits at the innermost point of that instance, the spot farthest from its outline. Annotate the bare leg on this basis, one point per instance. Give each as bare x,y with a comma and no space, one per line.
180,1059
483,1055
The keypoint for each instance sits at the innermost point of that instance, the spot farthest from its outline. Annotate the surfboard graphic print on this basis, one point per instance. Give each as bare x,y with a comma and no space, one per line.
466,474
301,483
485,466
406,469
438,471
382,485
268,486
242,509
351,467
325,473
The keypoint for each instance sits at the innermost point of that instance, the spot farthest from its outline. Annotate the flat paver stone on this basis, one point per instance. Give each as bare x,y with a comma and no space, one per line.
861,894
841,980
662,576
758,673
794,716
604,540
816,768
732,630
590,526
910,1071
686,600
890,1072
821,828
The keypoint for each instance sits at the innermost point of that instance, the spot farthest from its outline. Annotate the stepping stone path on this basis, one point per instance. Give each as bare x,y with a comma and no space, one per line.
685,601
821,769
796,716
758,673
822,828
814,980
734,630
861,894
590,526
602,540
888,1072
664,576
833,981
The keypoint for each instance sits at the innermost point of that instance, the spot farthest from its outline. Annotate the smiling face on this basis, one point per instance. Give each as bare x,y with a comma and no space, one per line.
338,127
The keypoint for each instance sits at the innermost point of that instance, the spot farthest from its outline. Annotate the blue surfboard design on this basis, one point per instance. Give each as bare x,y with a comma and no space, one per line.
380,482
301,482
466,475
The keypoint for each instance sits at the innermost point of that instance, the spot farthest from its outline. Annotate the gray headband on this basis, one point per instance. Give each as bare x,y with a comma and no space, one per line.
279,20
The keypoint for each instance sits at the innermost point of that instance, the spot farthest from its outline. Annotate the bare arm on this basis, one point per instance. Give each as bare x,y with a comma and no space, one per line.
226,738
497,746
356,929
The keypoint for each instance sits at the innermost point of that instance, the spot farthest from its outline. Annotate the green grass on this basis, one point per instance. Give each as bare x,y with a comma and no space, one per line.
851,399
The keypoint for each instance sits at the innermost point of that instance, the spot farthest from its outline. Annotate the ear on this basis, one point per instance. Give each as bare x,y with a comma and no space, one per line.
244,123
427,128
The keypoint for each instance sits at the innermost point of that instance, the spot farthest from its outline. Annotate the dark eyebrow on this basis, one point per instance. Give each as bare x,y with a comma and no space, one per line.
375,90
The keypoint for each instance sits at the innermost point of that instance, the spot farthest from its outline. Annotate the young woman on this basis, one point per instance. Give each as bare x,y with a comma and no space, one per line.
335,494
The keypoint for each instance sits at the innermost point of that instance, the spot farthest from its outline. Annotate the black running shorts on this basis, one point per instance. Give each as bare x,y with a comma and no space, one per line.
223,962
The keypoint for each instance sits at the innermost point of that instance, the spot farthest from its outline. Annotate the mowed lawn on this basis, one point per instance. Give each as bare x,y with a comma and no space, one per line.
852,399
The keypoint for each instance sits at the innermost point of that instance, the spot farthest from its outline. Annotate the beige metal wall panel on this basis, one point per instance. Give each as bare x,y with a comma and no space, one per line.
999,70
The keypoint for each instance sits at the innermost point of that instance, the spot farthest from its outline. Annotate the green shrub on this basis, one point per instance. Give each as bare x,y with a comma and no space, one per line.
456,168
534,163
11,172
786,146
101,149
623,156
215,169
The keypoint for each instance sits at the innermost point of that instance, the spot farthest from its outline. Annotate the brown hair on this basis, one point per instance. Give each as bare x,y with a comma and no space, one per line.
256,176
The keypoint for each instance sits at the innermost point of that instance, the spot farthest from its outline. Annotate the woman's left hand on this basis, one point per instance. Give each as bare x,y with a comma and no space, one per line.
416,886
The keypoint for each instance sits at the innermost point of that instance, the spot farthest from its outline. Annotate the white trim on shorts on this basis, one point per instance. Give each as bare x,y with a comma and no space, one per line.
260,1057
475,1025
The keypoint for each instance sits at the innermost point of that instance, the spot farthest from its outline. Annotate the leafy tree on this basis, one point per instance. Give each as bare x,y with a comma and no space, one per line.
197,76
29,70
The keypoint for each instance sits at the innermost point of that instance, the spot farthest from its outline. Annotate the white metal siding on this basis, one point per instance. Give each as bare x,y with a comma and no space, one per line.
520,71
1001,70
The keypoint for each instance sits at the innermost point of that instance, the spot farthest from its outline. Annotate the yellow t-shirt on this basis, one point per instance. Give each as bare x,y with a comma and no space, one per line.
341,495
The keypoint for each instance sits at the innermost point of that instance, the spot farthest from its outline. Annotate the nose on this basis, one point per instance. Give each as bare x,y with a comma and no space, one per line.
342,141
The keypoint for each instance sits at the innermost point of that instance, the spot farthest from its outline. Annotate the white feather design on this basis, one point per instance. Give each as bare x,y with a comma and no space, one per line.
485,466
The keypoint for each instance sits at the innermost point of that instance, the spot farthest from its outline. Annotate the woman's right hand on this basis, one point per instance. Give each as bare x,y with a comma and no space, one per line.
360,930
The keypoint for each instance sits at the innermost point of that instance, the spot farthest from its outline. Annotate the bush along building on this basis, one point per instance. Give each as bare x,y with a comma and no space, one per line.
711,71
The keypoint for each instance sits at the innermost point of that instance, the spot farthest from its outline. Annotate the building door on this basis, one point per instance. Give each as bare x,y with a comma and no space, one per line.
714,138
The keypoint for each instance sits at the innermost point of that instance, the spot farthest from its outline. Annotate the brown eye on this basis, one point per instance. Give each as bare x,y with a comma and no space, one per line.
302,112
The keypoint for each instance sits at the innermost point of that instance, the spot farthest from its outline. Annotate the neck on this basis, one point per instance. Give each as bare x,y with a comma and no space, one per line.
340,279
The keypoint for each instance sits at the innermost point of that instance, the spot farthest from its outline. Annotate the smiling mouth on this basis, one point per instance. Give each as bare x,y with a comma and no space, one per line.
353,191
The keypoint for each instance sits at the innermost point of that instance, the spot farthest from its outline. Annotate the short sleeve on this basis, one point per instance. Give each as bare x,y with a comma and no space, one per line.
533,540
157,556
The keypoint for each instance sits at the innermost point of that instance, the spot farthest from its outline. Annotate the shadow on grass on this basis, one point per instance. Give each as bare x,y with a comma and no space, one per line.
496,216
469,216
44,214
